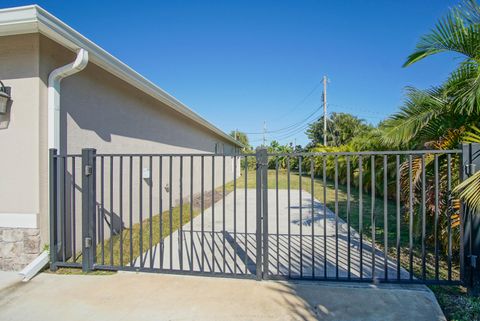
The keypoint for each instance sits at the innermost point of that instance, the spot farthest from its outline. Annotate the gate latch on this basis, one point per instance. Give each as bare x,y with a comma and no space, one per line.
261,164
88,170
88,242
470,169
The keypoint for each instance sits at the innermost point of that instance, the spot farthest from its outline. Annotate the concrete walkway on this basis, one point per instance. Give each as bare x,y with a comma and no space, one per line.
9,278
299,244
138,296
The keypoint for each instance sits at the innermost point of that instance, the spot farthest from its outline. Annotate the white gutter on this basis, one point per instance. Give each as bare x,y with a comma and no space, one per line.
34,19
53,104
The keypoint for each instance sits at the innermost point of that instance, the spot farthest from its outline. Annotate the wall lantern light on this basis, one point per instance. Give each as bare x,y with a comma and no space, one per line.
4,98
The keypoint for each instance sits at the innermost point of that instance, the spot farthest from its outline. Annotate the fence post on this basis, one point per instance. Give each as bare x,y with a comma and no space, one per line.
470,221
262,213
52,182
264,164
88,208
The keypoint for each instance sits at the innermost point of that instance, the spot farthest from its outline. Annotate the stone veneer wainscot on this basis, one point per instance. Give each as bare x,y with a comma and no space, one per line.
18,247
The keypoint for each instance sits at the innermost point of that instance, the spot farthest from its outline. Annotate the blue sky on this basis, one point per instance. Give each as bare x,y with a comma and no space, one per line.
238,63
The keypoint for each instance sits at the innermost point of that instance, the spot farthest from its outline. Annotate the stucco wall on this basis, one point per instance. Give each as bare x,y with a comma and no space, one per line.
19,128
19,147
100,111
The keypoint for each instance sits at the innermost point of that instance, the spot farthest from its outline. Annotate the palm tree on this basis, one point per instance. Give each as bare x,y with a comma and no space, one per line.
443,116
458,33
426,117
469,190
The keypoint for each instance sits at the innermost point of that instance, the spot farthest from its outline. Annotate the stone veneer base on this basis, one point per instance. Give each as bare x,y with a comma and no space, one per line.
18,247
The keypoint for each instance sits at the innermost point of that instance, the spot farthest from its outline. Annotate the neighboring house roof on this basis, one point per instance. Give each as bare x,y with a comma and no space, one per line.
31,19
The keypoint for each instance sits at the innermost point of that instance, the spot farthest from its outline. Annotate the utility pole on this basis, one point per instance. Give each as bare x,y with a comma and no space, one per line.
325,110
264,133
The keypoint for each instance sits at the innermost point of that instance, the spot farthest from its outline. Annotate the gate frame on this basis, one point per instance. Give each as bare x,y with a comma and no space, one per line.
89,192
53,192
469,219
262,213
470,224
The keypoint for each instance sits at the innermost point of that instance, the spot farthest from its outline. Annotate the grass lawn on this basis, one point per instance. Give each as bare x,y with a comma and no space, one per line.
456,304
342,202
150,236
353,216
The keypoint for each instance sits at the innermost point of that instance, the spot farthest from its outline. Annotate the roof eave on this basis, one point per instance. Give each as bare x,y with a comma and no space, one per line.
30,19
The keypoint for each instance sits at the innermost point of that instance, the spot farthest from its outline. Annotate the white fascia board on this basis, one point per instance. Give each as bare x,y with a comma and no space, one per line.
33,18
18,20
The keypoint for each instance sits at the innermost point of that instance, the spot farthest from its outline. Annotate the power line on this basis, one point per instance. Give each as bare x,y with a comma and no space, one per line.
288,127
286,135
300,102
299,126
298,131
294,129
303,100
292,132
264,133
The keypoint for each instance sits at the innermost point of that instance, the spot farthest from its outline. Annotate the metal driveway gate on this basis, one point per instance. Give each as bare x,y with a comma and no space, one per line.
389,216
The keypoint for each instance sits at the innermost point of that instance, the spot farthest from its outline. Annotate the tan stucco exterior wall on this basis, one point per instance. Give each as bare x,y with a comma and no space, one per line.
19,128
19,149
98,110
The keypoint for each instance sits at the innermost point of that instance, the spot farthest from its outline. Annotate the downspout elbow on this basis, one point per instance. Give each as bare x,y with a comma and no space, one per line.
54,80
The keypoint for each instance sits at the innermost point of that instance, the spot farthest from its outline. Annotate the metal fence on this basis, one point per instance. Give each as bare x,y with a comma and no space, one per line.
389,216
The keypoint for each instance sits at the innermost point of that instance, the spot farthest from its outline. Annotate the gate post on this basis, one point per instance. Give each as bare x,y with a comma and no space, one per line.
53,192
470,221
262,213
88,208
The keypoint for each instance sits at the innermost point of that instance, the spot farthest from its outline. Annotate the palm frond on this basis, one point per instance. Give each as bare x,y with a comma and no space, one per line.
420,107
473,135
452,33
463,86
450,139
470,11
469,191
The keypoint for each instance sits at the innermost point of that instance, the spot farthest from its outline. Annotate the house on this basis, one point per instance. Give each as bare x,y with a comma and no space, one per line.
68,93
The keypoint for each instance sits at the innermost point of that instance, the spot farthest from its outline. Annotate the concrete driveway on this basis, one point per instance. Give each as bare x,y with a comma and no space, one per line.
225,245
139,296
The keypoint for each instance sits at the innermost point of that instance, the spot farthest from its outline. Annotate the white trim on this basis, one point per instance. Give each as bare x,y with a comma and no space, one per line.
18,220
54,80
30,19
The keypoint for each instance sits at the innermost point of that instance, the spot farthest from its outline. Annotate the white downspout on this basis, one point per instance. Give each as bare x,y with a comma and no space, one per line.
53,104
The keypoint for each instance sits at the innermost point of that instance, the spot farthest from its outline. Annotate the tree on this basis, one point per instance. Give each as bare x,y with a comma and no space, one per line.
274,146
281,160
427,115
445,115
242,138
341,128
442,116
457,33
